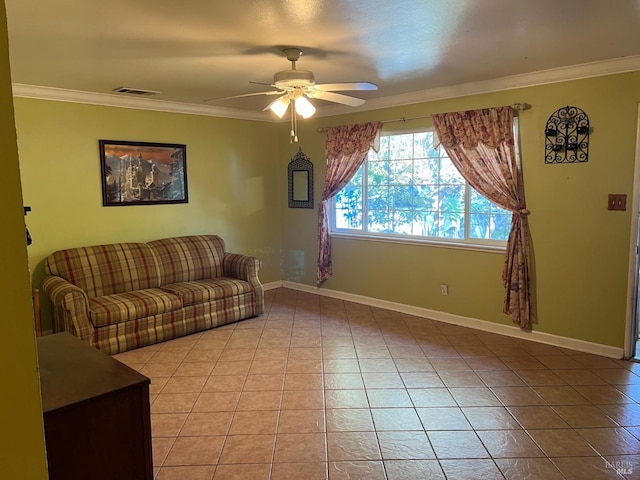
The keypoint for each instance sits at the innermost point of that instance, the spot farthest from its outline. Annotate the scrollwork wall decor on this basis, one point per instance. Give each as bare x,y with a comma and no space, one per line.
300,176
567,136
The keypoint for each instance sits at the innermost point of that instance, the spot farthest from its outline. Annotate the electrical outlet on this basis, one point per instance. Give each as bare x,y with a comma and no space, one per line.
444,289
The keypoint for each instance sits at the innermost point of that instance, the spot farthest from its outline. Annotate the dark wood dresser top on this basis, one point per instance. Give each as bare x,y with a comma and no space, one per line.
71,372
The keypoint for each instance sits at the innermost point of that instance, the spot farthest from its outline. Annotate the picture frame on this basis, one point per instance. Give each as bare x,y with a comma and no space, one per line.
143,173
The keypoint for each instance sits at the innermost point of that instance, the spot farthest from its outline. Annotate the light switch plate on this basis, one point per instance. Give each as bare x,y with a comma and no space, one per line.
617,201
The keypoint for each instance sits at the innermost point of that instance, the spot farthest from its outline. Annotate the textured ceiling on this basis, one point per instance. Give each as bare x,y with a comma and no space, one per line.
202,49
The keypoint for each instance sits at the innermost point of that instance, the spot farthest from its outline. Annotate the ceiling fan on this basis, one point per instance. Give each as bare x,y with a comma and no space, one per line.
298,86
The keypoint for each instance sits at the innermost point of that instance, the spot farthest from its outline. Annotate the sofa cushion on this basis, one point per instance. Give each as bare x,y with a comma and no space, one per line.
122,307
106,269
202,291
184,259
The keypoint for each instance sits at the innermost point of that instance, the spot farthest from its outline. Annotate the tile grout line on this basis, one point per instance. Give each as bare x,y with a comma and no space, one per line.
499,386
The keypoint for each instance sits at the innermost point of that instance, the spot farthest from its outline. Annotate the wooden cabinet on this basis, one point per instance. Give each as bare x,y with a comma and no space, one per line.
96,413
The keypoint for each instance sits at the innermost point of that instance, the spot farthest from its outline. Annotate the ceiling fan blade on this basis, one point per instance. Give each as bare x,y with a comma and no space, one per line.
337,98
270,92
336,87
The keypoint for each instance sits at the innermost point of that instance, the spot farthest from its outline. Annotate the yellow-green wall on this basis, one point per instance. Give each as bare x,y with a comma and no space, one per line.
22,453
237,188
233,187
580,250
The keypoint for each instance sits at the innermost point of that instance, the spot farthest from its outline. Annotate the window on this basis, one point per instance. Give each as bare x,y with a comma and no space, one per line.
411,190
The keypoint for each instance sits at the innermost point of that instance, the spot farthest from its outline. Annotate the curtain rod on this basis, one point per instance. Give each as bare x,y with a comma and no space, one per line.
516,106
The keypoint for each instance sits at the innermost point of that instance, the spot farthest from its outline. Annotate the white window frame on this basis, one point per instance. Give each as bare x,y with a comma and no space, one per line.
460,243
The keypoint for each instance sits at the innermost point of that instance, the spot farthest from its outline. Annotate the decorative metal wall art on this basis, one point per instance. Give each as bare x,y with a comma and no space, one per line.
300,173
567,136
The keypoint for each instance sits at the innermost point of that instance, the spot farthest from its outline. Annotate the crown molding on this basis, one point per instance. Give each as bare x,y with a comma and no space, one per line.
543,77
562,74
110,100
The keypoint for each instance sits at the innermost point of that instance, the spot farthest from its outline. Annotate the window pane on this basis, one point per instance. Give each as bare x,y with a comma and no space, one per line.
401,172
426,198
421,144
433,152
451,225
501,227
479,225
401,146
378,173
378,197
349,219
400,197
383,153
449,173
348,202
479,204
452,198
350,197
378,221
488,221
400,221
426,224
426,172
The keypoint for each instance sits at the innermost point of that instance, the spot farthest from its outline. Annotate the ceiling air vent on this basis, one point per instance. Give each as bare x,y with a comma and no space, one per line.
135,91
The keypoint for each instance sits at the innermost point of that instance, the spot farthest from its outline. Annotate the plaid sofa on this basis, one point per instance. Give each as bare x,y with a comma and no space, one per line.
126,295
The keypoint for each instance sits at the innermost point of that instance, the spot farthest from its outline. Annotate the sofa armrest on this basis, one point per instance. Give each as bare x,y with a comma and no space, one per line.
70,307
242,267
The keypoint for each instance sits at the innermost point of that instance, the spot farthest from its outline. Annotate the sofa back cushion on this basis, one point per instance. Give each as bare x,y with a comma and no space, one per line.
106,269
185,259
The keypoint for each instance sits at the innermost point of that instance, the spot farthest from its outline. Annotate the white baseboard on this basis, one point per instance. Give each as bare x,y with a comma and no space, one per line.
272,285
511,331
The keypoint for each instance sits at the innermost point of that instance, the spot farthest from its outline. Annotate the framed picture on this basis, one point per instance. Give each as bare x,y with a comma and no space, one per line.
143,173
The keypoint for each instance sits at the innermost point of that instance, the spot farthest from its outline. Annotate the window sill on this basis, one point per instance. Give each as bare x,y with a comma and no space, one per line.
427,243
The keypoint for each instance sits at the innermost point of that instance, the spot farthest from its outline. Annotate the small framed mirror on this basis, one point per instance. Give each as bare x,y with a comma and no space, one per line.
300,173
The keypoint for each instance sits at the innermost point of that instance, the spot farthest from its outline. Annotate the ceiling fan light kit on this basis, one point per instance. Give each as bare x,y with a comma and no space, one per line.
279,106
304,107
298,86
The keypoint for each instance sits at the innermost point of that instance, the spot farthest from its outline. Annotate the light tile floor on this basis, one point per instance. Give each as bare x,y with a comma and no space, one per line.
320,388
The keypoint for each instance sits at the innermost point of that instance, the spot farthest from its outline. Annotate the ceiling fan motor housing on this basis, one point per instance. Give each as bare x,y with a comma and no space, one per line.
294,78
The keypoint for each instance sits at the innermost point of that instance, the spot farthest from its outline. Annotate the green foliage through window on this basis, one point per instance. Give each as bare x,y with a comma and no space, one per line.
410,189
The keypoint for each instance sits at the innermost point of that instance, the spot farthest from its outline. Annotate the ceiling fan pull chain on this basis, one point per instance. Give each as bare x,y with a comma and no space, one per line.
293,137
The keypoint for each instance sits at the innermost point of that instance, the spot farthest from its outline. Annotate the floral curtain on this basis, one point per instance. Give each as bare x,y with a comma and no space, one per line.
481,145
346,148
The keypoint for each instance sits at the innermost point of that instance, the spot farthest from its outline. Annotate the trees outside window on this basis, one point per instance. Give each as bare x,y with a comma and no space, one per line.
411,190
